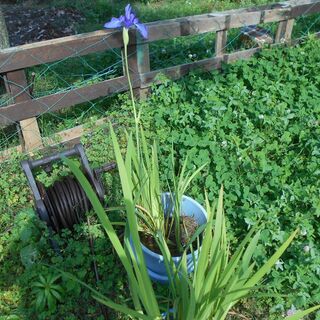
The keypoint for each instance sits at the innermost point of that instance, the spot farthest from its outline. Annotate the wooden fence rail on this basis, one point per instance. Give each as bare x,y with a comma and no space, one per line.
13,61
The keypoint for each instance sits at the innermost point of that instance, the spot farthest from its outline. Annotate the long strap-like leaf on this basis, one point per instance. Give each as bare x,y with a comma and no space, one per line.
300,314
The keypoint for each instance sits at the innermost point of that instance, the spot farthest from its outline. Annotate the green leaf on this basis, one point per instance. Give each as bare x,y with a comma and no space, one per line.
271,262
40,301
26,234
28,255
300,314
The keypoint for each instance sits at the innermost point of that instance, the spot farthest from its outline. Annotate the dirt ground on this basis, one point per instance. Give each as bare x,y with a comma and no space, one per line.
27,24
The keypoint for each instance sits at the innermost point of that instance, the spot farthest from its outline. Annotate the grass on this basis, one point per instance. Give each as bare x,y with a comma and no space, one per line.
16,292
17,243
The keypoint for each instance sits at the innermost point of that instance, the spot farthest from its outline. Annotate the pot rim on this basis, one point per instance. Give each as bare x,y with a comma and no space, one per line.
176,258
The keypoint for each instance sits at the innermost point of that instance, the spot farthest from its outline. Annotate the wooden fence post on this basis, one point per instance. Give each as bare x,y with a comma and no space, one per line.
221,42
19,91
4,38
143,60
4,43
284,31
17,87
139,63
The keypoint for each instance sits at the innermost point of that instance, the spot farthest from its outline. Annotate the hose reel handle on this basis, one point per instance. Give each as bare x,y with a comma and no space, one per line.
29,165
75,151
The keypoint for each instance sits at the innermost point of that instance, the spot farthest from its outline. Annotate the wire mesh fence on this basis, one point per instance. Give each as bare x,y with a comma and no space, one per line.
54,85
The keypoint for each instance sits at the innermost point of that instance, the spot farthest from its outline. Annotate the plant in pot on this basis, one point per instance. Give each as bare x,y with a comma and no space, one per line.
170,213
177,217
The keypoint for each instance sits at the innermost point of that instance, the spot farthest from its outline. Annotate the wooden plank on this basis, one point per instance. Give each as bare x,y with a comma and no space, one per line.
302,8
79,45
19,91
16,87
217,21
28,109
177,72
67,137
142,64
47,51
73,134
138,63
302,39
143,58
4,37
221,42
284,31
4,43
132,65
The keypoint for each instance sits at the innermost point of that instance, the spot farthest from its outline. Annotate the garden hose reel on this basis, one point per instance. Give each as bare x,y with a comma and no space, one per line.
64,204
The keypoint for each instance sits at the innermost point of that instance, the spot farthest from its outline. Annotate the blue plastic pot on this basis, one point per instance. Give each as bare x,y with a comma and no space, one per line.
170,313
154,261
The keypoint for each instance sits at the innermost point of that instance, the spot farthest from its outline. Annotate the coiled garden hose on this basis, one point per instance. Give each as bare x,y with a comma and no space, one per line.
65,203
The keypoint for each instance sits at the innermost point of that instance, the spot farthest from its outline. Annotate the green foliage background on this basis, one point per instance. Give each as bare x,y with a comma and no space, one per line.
256,123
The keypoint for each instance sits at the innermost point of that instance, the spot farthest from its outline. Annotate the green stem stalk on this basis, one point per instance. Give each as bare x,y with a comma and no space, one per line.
136,118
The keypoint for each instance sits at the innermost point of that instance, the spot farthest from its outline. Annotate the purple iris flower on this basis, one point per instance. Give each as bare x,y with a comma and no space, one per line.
127,21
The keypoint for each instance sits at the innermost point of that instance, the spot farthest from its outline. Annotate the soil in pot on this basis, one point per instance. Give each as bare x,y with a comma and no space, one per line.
188,226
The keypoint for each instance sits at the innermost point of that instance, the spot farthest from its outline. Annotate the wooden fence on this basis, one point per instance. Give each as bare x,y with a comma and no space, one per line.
25,109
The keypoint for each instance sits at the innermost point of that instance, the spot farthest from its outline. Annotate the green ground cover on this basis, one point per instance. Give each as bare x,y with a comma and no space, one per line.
257,125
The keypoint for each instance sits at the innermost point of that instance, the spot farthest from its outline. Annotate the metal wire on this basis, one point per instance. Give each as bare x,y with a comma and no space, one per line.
7,138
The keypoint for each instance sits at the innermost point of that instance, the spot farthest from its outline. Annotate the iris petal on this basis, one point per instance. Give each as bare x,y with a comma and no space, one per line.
114,23
127,24
128,11
127,21
142,29
132,17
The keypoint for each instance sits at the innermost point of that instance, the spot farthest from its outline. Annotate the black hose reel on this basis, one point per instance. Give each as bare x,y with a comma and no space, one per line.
64,204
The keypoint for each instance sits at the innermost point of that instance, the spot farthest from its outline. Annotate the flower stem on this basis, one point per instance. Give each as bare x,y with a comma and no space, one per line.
136,118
